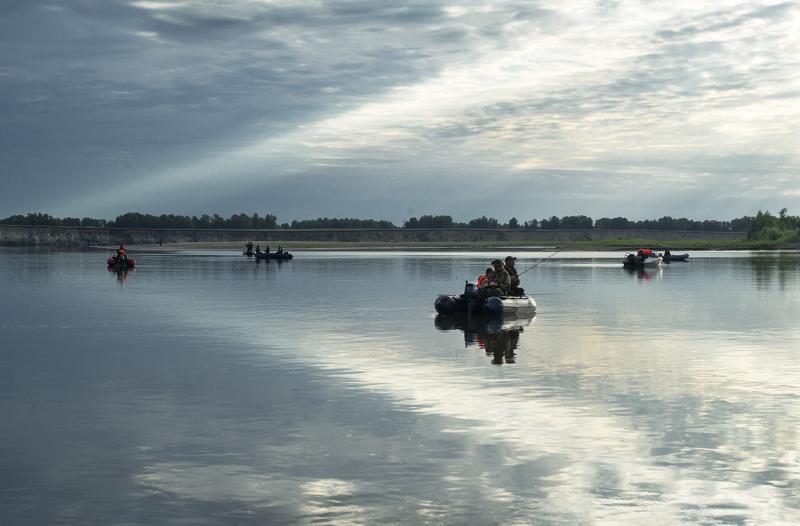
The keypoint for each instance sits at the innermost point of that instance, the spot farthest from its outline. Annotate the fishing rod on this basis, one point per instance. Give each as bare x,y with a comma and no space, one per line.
540,262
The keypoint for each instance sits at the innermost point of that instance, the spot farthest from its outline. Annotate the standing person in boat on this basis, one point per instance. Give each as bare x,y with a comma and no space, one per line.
499,281
266,249
258,249
280,250
121,254
514,289
249,247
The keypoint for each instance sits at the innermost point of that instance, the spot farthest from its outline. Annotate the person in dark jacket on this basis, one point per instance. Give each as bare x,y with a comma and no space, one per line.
499,281
514,289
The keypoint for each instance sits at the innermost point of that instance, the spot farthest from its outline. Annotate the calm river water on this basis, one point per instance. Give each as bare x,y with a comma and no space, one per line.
206,388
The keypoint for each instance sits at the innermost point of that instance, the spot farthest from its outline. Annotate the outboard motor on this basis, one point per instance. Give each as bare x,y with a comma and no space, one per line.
470,290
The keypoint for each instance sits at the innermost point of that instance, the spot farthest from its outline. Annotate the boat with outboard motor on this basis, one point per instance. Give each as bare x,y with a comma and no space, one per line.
644,257
273,255
472,302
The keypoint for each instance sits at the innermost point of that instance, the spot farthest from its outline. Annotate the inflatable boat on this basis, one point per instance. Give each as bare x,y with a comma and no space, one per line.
471,302
121,264
668,258
273,255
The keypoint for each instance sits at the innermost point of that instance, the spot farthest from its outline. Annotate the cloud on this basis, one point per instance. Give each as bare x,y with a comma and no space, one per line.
249,95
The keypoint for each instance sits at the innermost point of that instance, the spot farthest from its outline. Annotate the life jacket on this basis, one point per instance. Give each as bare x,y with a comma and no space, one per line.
482,280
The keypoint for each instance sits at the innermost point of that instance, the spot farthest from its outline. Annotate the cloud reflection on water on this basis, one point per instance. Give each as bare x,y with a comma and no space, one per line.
617,414
602,413
677,427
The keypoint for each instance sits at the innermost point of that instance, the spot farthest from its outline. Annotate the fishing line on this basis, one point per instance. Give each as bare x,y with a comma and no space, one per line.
540,262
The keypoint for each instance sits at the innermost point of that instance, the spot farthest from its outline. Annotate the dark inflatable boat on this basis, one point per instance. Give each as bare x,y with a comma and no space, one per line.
273,255
668,258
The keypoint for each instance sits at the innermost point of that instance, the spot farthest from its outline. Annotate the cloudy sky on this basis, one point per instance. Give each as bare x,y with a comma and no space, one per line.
362,108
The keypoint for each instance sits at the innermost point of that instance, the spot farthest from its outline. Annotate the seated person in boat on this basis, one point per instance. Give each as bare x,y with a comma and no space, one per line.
121,254
514,289
499,281
484,279
280,249
258,249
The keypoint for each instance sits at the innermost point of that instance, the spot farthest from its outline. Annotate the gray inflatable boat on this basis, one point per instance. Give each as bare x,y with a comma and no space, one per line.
471,302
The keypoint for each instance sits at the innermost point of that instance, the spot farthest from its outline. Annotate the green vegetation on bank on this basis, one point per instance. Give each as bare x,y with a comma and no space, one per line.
741,224
686,244
763,230
773,230
270,221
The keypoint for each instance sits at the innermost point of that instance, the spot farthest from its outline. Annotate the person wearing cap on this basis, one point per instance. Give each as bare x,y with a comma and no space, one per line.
514,289
499,281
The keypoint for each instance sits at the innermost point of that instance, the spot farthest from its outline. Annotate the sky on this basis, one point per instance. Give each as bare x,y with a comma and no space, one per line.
388,110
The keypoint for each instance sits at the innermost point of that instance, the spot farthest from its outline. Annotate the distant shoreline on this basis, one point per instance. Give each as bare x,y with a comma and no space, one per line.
617,246
380,239
330,247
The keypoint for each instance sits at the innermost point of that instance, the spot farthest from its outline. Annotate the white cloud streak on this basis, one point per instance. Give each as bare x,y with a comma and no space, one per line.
693,93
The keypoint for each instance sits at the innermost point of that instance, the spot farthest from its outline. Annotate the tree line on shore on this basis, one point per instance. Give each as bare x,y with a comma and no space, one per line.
763,225
741,224
778,229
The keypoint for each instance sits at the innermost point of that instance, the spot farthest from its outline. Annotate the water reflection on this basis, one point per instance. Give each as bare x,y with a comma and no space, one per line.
237,397
644,274
122,275
441,270
498,336
781,268
270,261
